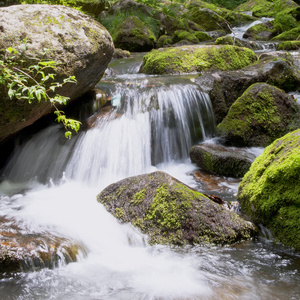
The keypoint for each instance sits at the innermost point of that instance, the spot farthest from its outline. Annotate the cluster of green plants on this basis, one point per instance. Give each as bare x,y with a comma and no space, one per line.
35,82
225,3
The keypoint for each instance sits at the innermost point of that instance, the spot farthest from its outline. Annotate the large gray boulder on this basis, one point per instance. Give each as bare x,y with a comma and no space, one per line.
171,212
80,45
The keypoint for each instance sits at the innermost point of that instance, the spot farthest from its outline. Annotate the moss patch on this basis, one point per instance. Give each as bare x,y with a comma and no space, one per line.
288,46
170,212
270,191
196,59
258,117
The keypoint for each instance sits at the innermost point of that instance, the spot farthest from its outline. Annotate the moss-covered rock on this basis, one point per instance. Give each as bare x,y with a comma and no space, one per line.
267,8
180,35
288,46
134,35
269,192
196,58
224,87
202,36
222,161
260,32
171,212
261,115
164,41
209,20
229,40
290,35
80,46
237,19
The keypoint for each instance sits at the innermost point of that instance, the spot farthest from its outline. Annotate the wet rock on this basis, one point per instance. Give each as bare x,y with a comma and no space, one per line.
119,53
187,59
229,40
225,87
170,212
220,160
22,250
134,35
269,193
261,115
209,20
81,46
260,32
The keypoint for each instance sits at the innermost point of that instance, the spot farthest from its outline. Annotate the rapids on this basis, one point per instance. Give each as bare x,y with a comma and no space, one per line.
50,185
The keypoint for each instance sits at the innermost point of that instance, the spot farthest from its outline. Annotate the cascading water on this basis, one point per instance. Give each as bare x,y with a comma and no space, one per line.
51,185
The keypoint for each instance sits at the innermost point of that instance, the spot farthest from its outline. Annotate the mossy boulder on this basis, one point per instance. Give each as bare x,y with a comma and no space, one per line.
267,8
229,40
170,212
189,59
224,87
202,36
209,20
21,252
290,35
164,41
80,45
220,160
261,115
288,46
260,32
180,35
269,192
237,19
134,35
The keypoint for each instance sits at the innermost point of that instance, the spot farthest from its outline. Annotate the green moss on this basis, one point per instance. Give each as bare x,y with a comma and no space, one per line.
180,35
291,35
196,59
138,198
270,191
288,46
258,31
202,36
252,112
267,8
164,40
120,213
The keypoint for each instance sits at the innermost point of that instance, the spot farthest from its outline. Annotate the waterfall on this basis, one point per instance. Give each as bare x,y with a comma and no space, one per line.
151,122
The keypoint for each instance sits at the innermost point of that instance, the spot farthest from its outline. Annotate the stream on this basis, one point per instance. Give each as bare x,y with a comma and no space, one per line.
50,185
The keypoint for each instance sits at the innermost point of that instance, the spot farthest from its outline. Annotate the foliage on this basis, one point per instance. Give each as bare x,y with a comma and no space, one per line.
284,22
225,3
35,82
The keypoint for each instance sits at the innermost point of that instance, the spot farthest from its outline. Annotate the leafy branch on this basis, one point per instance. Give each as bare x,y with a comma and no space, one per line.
35,82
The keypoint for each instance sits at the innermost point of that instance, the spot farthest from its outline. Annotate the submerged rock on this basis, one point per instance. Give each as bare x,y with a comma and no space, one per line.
21,251
269,192
81,46
187,59
220,160
170,212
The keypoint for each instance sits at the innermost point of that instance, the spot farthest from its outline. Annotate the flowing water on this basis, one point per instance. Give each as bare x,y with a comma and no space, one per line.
50,185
